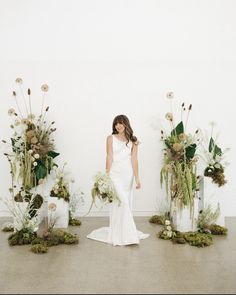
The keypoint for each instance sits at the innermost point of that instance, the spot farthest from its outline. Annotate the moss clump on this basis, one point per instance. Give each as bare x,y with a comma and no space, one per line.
74,222
198,239
157,219
21,237
7,227
216,229
166,235
59,236
179,238
39,248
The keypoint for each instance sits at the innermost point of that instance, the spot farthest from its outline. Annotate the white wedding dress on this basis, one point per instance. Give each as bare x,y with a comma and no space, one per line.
122,229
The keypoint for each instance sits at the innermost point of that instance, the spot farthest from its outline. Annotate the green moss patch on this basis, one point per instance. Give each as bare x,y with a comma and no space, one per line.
74,222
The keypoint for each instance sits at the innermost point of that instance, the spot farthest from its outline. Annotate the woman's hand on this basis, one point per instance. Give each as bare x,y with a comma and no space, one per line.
138,184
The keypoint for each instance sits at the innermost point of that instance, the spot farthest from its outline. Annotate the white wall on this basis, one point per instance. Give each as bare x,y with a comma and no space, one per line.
103,58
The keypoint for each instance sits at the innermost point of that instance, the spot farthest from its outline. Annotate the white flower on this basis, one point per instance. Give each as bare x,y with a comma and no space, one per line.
19,81
170,94
168,228
167,222
35,163
36,156
23,193
30,151
217,166
11,112
169,116
54,167
56,186
44,87
169,234
17,122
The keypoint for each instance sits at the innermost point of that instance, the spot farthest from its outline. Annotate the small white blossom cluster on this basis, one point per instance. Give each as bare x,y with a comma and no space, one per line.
168,231
104,187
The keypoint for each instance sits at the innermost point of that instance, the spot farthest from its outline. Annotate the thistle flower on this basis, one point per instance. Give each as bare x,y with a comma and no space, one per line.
182,137
170,94
52,207
169,116
19,81
30,133
177,147
44,87
34,140
11,112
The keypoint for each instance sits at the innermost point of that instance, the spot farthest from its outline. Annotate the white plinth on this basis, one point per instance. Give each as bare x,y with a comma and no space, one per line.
61,213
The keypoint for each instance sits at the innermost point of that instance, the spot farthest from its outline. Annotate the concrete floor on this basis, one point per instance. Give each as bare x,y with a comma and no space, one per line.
155,266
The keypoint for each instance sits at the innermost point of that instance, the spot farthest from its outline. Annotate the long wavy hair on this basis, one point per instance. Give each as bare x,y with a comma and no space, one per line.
122,119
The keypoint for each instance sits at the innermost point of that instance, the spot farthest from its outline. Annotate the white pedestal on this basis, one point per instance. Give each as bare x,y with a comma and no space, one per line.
61,213
182,220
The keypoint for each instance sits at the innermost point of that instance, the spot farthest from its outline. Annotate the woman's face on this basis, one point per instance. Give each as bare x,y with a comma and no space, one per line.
120,128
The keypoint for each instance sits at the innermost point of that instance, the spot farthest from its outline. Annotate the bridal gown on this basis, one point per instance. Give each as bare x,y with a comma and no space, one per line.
122,229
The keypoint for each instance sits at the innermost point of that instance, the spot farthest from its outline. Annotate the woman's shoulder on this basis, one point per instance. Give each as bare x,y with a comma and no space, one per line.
109,138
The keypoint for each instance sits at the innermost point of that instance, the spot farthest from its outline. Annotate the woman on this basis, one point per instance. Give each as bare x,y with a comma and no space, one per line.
122,166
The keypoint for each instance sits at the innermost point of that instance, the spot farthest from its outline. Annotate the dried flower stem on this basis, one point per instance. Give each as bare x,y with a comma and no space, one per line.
22,93
18,107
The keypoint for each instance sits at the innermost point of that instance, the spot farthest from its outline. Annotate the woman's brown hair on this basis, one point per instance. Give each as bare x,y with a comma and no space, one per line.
122,119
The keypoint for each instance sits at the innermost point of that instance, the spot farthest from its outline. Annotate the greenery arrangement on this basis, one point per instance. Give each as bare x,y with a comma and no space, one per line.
179,171
60,189
214,158
32,148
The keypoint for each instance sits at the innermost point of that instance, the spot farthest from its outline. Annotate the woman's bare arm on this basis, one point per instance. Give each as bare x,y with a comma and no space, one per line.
134,159
109,153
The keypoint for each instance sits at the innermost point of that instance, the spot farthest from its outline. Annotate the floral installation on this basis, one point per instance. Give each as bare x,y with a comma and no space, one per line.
32,147
60,188
206,222
25,217
214,158
179,171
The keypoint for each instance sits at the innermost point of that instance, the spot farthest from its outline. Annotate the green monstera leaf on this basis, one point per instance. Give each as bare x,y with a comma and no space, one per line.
213,148
178,129
40,171
53,154
190,151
